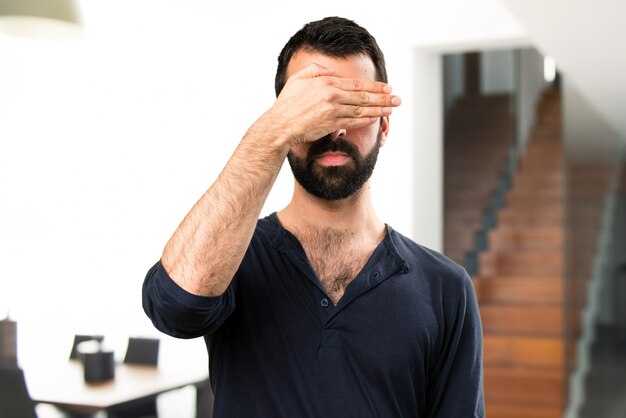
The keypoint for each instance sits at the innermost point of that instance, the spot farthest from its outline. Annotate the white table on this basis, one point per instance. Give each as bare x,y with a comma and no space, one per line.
63,385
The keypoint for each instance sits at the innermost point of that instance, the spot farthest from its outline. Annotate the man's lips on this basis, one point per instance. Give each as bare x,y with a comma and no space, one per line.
329,159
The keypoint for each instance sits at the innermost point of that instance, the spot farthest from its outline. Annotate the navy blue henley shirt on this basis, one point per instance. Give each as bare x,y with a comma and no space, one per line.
405,340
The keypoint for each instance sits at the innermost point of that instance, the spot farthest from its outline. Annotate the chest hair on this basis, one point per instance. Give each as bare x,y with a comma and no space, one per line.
336,256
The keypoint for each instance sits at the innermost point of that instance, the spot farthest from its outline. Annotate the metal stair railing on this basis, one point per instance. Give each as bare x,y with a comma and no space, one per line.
497,200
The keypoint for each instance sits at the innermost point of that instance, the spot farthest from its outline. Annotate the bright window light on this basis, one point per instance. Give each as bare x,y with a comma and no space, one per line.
549,69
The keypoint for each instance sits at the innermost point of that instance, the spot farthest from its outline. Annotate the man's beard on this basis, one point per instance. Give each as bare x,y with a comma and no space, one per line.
334,182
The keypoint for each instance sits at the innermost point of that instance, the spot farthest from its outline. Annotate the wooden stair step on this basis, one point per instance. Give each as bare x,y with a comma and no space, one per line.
544,146
456,228
462,239
554,130
553,177
482,106
539,171
456,254
524,386
464,243
462,215
536,193
458,250
542,185
523,351
459,233
477,203
460,178
478,134
458,242
540,165
526,238
490,101
474,142
495,410
530,216
476,168
470,223
532,197
487,136
469,196
458,155
481,110
478,124
515,290
551,117
549,187
522,320
493,263
546,132
542,154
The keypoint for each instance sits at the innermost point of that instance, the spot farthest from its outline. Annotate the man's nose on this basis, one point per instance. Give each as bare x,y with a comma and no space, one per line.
340,133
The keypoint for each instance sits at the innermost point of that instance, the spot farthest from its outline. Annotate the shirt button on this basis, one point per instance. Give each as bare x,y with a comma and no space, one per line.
374,275
324,303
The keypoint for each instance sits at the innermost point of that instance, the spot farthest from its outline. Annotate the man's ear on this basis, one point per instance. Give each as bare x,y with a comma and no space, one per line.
384,129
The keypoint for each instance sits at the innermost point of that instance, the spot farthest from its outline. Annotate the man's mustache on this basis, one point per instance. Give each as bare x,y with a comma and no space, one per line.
328,144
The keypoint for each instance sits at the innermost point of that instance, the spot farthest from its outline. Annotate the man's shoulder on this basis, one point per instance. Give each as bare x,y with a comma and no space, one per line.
267,224
427,261
268,231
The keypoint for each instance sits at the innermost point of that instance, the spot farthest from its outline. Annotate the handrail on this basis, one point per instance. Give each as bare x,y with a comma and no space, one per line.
497,201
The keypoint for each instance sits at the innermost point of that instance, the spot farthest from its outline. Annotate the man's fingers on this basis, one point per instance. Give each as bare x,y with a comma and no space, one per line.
369,99
350,84
350,111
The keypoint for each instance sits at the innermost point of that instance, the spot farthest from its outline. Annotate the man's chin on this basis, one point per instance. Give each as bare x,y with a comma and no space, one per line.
330,189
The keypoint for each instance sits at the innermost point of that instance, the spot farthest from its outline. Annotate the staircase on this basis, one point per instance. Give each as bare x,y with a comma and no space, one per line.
520,283
478,136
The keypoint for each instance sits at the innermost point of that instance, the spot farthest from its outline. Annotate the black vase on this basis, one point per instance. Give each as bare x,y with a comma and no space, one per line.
99,366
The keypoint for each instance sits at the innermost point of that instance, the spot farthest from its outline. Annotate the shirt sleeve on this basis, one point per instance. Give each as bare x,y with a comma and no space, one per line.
179,313
456,381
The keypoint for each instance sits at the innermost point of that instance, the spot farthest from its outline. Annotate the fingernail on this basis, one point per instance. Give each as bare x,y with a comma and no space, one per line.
395,100
386,88
387,110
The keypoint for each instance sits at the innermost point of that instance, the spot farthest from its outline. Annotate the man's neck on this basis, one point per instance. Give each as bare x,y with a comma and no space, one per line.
353,215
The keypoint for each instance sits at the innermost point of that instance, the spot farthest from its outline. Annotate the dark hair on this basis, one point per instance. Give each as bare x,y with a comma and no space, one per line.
335,37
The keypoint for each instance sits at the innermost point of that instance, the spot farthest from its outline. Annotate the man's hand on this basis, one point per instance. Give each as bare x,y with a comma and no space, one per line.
314,103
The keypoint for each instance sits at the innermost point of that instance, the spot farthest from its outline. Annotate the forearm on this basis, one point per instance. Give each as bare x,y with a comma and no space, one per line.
207,248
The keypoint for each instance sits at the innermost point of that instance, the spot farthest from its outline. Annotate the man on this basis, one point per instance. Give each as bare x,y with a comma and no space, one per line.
320,309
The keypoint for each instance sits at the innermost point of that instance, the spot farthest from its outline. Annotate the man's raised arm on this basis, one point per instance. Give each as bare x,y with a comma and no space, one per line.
207,248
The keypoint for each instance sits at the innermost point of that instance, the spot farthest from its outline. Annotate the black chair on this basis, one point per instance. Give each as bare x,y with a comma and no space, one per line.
78,338
15,402
144,352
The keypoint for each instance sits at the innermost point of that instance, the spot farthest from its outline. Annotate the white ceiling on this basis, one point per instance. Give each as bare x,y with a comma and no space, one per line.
588,40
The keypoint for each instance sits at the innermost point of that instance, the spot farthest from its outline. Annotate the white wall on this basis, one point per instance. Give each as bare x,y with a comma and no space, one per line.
531,84
453,78
428,153
497,72
586,38
106,142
